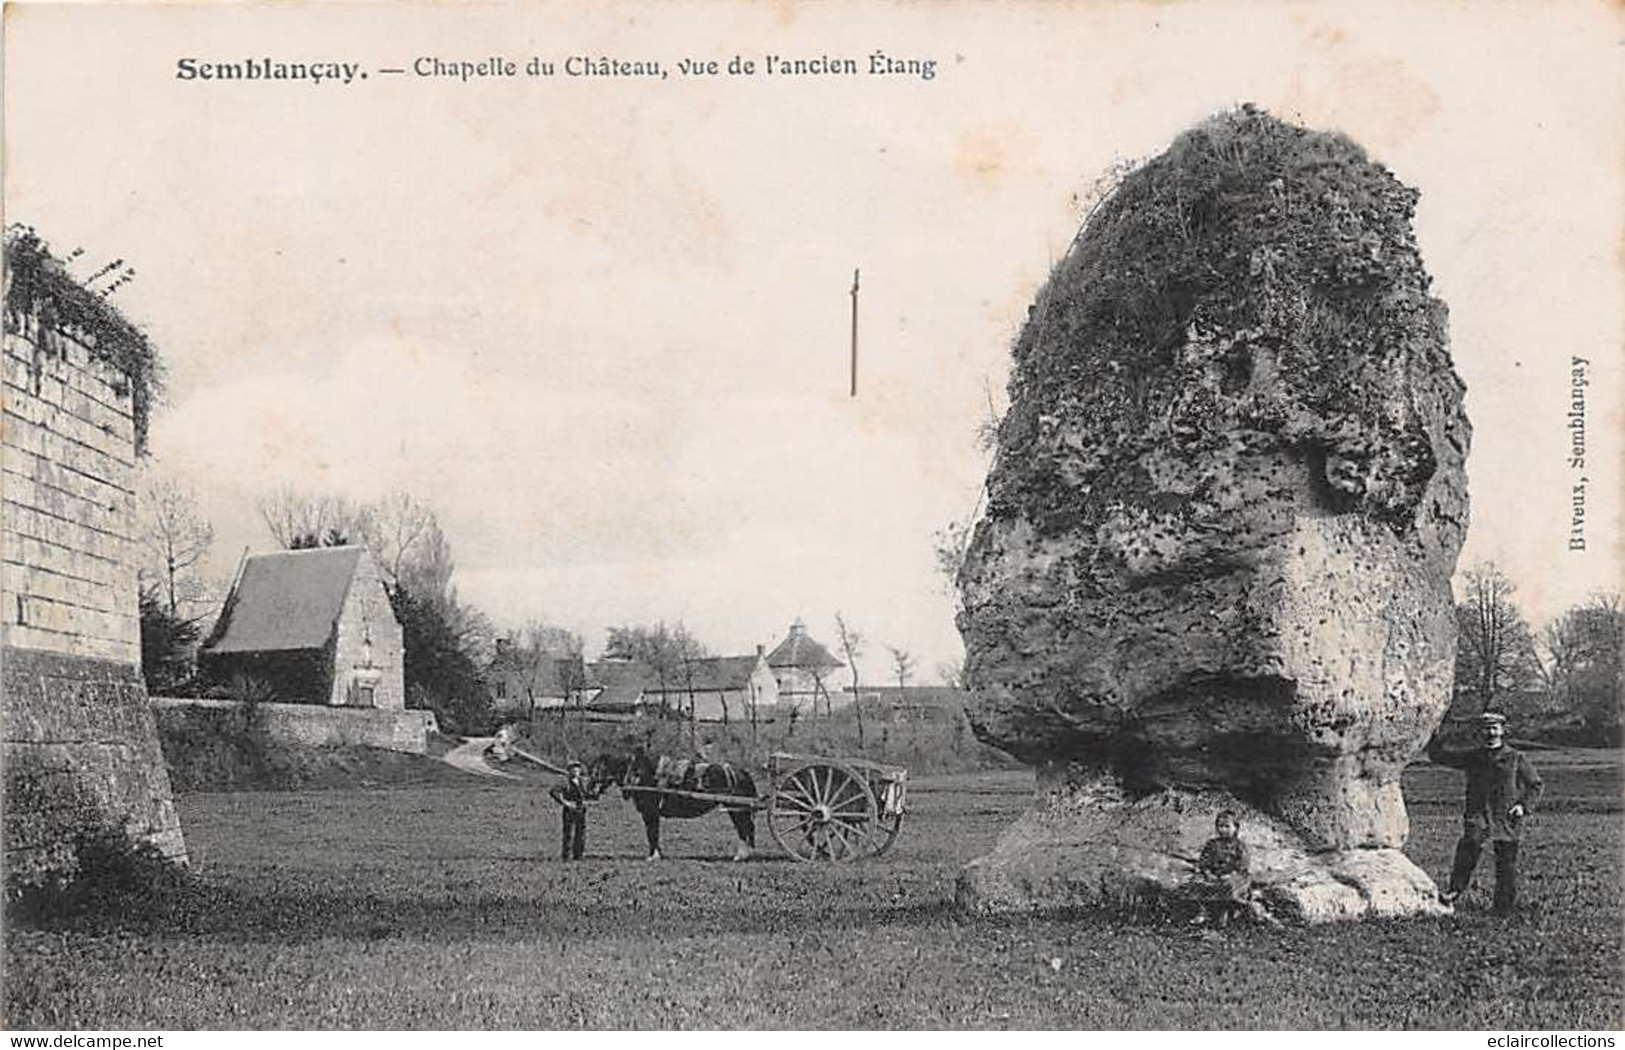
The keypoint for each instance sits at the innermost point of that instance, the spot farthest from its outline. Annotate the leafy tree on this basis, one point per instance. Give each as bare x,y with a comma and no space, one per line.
333,537
425,572
448,642
429,566
1495,651
440,674
168,646
475,631
1583,667
652,643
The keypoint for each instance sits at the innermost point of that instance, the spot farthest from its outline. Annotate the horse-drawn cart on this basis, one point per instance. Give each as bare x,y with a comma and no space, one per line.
835,809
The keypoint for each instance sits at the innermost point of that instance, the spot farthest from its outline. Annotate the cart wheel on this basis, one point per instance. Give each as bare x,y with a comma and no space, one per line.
889,822
822,811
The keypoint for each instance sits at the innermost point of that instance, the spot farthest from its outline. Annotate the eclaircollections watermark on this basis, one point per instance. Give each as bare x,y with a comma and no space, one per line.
1579,380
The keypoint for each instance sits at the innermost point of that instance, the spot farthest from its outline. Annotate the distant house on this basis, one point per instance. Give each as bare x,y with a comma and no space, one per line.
315,626
802,669
521,683
711,689
719,688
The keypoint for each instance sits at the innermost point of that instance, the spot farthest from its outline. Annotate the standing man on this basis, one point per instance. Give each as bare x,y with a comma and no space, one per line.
1502,787
572,798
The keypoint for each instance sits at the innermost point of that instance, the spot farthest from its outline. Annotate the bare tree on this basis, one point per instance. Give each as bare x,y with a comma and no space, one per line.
395,529
949,545
902,665
573,679
400,531
722,698
546,653
852,646
668,651
174,537
685,664
297,519
539,636
1495,652
987,428
820,690
754,714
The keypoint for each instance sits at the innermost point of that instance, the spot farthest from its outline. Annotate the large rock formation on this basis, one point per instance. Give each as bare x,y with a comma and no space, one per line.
1215,565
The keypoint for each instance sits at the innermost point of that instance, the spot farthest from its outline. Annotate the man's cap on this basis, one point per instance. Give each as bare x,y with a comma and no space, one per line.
573,764
1492,718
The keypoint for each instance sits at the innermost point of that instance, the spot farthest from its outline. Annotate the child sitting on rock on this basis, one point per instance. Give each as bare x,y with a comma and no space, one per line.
1224,883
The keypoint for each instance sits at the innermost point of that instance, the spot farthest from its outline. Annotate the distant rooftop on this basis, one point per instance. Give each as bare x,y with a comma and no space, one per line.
712,674
621,683
800,650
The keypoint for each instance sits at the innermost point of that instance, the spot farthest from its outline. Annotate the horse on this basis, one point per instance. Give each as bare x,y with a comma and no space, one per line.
640,770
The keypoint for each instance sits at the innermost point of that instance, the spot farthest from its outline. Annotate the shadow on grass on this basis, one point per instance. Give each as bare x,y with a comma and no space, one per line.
576,902
232,913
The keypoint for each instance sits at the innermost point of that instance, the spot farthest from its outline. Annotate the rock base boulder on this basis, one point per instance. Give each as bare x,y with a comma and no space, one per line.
1088,845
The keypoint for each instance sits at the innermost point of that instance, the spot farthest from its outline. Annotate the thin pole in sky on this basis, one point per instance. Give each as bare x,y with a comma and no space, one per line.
854,333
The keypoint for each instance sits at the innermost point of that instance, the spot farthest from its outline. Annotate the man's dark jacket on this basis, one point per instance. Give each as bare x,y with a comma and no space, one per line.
572,796
1497,780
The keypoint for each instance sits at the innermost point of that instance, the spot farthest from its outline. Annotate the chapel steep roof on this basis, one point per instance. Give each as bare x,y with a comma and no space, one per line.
287,601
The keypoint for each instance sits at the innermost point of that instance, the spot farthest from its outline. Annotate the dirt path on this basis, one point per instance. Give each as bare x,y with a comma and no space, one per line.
469,757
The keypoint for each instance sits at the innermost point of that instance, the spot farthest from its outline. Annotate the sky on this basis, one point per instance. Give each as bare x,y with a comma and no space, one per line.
602,324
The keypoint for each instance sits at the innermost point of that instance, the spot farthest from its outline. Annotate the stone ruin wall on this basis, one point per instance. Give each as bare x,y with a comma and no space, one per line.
76,710
316,725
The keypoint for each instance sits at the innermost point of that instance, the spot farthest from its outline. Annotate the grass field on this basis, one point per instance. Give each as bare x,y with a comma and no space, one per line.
442,906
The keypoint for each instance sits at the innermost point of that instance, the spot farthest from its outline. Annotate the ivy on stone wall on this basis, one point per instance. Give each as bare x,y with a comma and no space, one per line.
43,297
